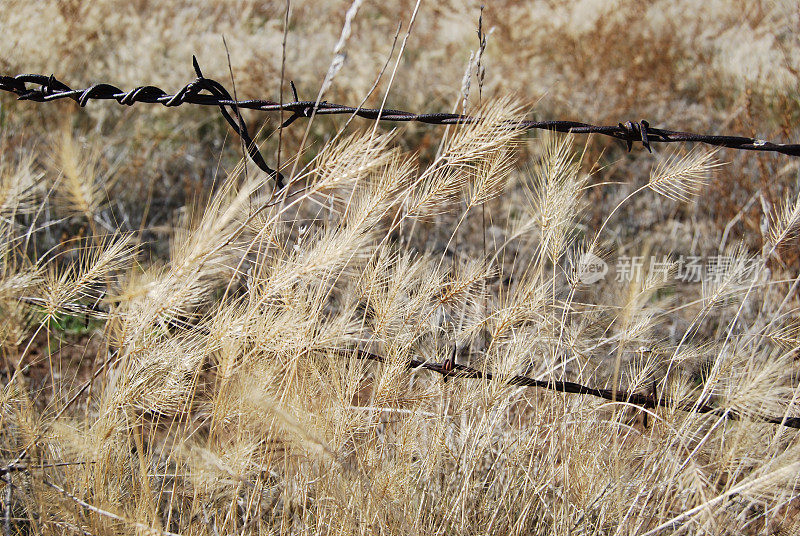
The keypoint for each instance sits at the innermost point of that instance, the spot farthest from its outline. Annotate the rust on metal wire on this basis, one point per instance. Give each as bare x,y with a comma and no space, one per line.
50,89
448,369
208,92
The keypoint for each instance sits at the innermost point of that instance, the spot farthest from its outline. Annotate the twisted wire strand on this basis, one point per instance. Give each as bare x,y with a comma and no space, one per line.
50,89
449,369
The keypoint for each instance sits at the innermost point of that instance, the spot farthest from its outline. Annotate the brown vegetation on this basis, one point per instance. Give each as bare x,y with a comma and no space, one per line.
180,343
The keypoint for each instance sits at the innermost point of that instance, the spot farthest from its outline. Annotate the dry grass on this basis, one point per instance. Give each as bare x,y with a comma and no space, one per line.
180,344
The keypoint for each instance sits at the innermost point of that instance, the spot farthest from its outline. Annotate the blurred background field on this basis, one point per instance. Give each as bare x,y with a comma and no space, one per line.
710,68
178,333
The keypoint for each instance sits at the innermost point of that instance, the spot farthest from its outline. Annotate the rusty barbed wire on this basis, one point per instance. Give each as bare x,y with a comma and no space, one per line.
50,89
450,369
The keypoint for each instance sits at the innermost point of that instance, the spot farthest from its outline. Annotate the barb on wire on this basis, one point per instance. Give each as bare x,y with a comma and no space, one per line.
49,89
450,369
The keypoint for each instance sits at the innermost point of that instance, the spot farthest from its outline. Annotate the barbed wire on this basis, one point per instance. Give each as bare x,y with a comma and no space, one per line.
50,89
450,369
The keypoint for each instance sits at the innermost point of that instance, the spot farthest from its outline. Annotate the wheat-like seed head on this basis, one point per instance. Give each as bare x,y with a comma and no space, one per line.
682,177
83,185
734,273
86,279
18,186
341,165
786,225
159,380
473,150
556,194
